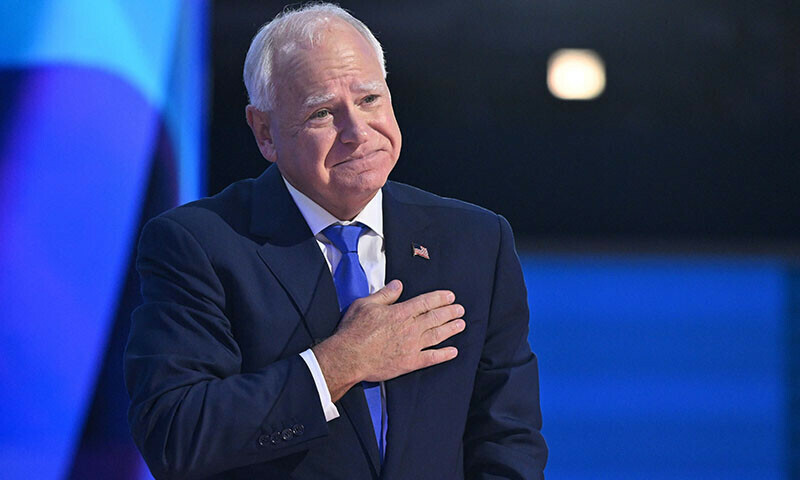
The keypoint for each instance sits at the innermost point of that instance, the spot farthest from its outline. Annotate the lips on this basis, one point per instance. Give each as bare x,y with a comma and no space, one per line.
361,158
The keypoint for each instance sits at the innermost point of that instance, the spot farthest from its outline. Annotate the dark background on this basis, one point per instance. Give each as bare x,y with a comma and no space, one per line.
693,143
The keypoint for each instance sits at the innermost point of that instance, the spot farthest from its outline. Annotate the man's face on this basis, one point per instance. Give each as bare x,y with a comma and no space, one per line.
332,128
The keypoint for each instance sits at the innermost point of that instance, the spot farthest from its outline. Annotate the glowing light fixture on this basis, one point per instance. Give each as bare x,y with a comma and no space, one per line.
576,74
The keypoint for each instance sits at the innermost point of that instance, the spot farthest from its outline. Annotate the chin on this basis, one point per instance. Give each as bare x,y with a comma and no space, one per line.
364,183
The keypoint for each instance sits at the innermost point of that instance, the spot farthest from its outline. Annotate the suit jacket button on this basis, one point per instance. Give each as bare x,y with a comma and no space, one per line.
275,438
287,434
298,429
263,440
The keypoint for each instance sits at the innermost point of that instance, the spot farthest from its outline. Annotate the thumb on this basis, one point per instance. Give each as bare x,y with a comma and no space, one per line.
388,294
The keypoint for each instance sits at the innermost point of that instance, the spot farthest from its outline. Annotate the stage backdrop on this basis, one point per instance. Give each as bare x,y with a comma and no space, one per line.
657,366
101,126
666,366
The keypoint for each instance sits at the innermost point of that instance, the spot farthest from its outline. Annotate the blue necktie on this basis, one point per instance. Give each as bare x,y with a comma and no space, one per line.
351,283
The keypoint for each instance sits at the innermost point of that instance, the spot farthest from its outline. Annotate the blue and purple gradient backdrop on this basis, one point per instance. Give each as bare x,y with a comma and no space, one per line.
651,367
99,99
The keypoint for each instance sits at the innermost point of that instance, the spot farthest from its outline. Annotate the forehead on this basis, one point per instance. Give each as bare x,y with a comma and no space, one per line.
341,54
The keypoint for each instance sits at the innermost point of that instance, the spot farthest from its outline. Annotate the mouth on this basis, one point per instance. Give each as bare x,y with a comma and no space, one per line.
363,158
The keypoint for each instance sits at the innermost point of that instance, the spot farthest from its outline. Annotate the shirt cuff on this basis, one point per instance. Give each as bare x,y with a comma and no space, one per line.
328,407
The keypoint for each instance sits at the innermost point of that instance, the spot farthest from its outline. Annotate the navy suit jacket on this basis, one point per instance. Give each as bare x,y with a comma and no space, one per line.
235,286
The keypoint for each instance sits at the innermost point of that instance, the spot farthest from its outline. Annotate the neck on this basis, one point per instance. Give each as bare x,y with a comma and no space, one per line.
343,211
346,212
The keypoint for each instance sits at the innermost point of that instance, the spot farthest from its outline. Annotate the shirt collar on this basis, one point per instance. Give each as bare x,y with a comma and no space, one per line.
318,218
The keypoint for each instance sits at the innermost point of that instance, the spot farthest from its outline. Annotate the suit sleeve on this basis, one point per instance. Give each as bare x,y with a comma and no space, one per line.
502,439
193,412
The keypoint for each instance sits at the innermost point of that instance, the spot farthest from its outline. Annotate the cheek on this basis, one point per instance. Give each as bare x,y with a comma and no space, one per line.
398,137
316,148
390,128
392,132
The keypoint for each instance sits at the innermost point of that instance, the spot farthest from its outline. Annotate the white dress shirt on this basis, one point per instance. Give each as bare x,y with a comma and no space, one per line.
371,256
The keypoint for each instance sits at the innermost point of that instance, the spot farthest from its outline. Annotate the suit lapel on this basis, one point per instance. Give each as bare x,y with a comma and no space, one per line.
404,226
292,254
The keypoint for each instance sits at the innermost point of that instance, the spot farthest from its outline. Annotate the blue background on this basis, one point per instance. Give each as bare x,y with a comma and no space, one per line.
661,366
102,113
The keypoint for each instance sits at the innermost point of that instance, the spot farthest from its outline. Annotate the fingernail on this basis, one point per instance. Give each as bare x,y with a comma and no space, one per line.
451,297
393,285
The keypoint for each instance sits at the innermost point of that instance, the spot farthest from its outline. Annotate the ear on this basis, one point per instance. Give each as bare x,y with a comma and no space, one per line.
259,123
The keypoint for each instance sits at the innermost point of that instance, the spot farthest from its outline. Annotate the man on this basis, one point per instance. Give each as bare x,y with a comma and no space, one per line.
268,345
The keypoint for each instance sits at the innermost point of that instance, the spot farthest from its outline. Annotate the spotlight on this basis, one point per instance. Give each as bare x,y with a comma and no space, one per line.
576,74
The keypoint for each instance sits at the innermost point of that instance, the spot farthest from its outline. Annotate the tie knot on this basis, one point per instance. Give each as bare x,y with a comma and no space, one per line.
345,237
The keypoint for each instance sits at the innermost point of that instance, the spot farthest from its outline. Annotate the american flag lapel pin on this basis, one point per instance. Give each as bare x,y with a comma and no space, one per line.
420,251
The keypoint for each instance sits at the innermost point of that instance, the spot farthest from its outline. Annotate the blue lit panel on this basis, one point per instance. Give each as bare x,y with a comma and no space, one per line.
89,117
67,234
660,368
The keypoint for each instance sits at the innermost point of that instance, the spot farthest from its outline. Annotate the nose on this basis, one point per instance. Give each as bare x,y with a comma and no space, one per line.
353,129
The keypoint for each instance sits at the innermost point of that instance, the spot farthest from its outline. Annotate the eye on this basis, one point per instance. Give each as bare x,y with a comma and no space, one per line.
320,114
370,98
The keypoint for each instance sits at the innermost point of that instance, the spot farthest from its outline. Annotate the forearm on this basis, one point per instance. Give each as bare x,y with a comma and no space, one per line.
193,411
190,425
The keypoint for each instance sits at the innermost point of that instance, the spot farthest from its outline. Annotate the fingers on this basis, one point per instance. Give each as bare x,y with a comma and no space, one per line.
388,294
428,358
440,316
427,302
436,335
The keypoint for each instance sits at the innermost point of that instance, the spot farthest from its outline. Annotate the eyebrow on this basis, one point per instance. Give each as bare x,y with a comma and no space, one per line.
368,87
314,100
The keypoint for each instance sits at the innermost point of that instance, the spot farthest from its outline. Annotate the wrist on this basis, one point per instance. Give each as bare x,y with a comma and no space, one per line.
338,365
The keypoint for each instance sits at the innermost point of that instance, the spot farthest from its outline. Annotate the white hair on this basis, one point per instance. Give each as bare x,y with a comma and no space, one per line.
283,34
